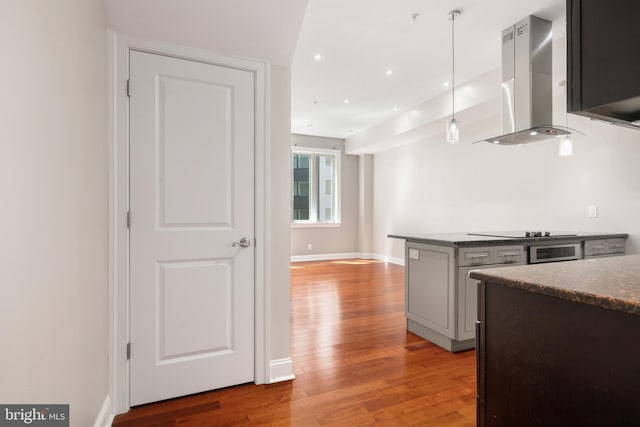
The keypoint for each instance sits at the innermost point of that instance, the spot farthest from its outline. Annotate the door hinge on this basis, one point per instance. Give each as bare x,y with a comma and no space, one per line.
128,219
129,88
128,350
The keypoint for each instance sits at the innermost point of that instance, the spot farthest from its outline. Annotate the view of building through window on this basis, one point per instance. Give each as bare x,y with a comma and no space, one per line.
301,176
314,187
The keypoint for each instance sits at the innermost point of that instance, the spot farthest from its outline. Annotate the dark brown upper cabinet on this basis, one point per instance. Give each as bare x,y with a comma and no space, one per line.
603,60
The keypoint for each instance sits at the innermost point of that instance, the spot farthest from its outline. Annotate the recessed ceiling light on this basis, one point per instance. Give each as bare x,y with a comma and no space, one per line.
315,102
389,72
317,57
496,142
346,101
395,108
533,133
446,84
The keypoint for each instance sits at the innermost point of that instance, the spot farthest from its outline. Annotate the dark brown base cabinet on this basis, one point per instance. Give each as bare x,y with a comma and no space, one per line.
546,361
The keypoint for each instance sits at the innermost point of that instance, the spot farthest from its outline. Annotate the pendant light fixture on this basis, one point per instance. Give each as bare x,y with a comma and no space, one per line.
452,123
566,144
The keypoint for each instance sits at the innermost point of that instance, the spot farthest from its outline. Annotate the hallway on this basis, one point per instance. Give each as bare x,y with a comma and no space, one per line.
354,363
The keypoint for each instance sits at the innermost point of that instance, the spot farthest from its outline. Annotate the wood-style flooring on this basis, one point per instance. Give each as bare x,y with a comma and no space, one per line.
355,364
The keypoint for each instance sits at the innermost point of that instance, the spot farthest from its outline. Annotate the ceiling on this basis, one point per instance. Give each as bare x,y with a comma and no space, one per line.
359,40
258,29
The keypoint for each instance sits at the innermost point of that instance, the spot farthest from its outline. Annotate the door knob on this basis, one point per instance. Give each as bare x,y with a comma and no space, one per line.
243,243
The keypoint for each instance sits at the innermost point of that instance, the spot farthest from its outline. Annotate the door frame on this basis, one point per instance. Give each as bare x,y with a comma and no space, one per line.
118,50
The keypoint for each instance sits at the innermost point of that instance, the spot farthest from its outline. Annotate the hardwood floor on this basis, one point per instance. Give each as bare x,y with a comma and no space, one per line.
355,364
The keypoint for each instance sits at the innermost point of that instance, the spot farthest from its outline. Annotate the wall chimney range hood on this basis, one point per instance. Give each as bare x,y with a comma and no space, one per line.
526,89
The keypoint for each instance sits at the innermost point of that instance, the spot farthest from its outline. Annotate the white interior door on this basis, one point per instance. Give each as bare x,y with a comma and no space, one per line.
191,197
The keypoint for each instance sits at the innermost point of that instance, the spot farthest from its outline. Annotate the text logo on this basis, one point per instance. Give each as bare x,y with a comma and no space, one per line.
34,415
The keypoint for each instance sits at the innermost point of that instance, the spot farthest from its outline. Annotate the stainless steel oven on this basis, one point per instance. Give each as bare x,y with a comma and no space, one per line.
556,252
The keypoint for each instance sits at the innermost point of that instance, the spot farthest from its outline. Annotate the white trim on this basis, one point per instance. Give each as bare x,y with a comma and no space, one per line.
310,150
365,255
105,417
397,261
263,236
299,224
324,257
392,260
314,177
281,370
118,233
118,50
347,255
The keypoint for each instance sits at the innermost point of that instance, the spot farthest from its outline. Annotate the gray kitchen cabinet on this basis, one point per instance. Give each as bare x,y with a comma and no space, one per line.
477,258
601,248
429,289
467,303
440,298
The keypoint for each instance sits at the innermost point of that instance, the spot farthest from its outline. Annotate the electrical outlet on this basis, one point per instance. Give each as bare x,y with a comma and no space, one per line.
309,246
414,254
592,211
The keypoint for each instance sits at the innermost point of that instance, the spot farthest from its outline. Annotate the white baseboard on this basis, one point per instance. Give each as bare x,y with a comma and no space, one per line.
281,370
397,261
379,257
105,417
367,255
324,257
362,255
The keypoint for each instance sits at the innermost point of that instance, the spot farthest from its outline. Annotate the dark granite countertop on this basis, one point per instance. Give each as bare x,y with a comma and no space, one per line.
467,239
611,283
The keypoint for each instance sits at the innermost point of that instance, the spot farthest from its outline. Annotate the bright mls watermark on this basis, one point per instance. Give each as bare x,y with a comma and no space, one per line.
34,415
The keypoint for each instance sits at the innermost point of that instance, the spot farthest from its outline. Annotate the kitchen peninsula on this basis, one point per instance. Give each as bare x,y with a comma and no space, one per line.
441,298
558,343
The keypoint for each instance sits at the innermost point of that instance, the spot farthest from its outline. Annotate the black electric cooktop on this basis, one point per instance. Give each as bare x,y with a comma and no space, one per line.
525,234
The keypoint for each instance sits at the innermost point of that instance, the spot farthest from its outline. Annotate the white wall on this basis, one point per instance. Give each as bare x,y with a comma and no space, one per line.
429,186
434,187
279,160
53,179
330,240
53,221
365,203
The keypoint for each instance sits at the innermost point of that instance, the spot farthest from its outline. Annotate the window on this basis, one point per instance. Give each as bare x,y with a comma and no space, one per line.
301,181
315,190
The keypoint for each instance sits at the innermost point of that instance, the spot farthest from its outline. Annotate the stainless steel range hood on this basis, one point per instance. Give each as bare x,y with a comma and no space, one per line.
526,91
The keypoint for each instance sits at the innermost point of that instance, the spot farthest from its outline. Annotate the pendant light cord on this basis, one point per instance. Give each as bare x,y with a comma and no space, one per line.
452,125
453,65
